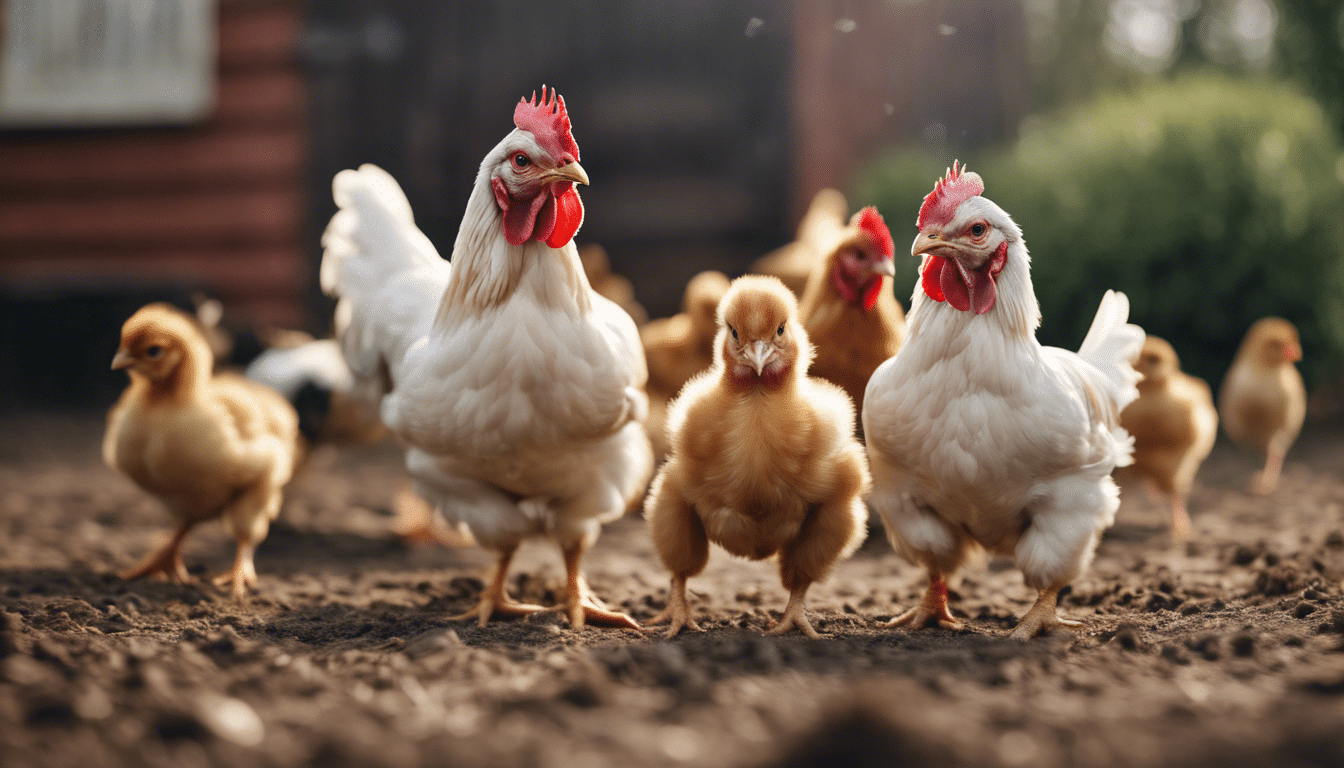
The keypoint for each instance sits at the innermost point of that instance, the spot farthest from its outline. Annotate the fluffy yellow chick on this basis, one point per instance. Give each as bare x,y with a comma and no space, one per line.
764,459
1174,425
207,447
597,266
1263,400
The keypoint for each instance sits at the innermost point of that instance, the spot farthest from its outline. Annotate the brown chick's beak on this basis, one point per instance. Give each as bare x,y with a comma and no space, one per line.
570,172
885,267
122,359
758,353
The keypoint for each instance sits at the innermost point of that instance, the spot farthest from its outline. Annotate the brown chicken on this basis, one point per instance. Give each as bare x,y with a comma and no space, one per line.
1174,425
848,307
678,347
795,262
597,266
764,458
206,446
1263,400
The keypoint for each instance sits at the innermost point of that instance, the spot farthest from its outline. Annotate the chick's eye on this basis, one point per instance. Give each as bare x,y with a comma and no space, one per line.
977,230
521,161
780,332
153,351
733,331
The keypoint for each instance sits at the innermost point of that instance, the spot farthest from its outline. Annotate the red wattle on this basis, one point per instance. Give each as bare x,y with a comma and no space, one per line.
931,277
954,288
873,291
569,217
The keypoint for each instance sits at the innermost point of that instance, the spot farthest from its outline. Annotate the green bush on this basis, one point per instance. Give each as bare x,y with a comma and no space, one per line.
1211,202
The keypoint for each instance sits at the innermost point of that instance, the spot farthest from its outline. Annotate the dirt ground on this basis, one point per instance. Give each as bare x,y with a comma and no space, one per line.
1227,651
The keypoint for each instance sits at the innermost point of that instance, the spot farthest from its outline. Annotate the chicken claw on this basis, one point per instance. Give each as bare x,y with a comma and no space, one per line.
166,562
677,613
494,600
932,611
583,607
1042,618
795,616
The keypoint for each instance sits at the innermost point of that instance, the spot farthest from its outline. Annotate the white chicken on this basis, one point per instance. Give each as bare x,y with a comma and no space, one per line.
517,389
978,436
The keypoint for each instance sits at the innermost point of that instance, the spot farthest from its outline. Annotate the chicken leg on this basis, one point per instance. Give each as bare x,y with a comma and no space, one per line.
931,611
677,614
495,600
581,605
166,562
243,575
1266,480
1042,617
795,616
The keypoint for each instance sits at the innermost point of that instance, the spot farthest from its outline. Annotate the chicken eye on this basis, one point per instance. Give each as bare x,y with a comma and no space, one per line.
977,230
780,332
733,330
153,351
521,161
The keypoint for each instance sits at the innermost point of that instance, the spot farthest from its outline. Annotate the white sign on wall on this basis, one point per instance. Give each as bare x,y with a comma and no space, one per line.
106,62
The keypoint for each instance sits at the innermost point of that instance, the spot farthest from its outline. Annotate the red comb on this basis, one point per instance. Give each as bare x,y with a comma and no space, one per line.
948,194
870,221
548,121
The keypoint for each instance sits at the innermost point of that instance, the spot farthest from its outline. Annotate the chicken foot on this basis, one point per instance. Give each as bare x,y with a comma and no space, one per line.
243,575
495,601
166,562
1042,617
677,614
1180,519
581,605
931,611
1266,480
795,616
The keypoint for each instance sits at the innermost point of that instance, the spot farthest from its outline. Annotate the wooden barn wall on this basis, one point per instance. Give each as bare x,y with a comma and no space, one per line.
217,205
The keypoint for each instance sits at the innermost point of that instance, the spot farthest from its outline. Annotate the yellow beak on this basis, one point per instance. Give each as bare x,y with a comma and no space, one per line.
570,172
925,243
122,359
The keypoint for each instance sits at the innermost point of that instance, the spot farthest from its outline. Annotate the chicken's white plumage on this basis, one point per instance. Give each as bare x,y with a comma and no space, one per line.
979,436
517,388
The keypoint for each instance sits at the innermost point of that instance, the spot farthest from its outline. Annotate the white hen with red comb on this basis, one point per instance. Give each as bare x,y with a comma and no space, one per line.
978,436
517,388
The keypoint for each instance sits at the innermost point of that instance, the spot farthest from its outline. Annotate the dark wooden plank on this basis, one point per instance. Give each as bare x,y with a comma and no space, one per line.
272,96
265,271
260,34
223,216
129,163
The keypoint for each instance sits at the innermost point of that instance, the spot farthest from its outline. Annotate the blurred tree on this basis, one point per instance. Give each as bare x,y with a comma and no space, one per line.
1311,51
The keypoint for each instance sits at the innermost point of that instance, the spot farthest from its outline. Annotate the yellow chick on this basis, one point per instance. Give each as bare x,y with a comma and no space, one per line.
1263,401
206,446
1174,425
764,459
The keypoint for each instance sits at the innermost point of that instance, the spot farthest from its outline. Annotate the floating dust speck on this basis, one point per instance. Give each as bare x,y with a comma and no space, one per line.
754,26
846,25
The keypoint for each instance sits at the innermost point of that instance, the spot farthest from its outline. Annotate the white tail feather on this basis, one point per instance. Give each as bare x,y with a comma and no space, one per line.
387,276
1111,345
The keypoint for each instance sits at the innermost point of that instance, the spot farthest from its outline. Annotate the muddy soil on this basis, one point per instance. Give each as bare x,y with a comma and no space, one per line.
1226,651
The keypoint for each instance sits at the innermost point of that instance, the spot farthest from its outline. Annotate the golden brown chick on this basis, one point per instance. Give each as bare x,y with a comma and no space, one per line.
818,230
206,446
1263,400
597,266
848,307
1174,425
678,347
764,459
